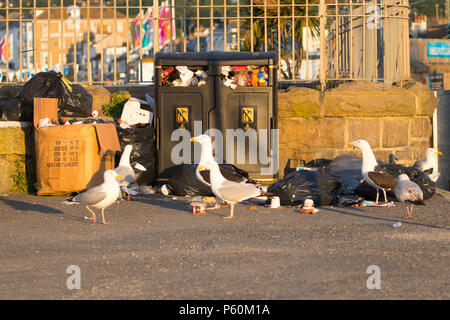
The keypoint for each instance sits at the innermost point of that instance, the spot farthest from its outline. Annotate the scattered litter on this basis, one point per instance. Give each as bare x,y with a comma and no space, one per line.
46,123
396,225
165,190
207,200
198,207
132,114
275,203
366,203
140,167
308,207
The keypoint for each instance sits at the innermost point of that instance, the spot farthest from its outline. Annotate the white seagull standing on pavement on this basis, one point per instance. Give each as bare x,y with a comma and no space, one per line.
372,173
229,191
100,197
410,191
125,170
430,165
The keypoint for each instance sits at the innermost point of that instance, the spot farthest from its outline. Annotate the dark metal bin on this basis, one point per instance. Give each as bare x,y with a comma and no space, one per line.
218,107
248,108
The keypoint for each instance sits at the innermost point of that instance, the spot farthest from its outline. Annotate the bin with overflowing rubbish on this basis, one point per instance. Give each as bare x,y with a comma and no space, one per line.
245,100
233,92
183,97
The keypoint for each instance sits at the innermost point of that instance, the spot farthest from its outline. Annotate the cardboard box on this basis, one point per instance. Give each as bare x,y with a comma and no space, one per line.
45,108
72,158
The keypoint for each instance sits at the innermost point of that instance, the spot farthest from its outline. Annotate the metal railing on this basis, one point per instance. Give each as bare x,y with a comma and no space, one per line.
114,41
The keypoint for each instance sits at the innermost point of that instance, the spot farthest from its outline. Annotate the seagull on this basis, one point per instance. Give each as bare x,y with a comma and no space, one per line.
430,164
206,155
125,170
100,197
410,191
229,191
372,173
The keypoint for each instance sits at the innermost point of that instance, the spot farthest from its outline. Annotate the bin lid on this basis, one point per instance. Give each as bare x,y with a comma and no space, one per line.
215,58
181,59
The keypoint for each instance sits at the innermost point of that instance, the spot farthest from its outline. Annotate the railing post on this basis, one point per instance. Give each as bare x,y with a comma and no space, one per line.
323,56
156,31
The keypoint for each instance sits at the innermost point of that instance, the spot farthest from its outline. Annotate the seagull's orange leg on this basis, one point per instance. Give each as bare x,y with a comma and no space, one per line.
103,217
231,212
409,212
92,212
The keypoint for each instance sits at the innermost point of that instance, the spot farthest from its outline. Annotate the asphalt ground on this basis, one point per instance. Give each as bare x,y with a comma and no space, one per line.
156,249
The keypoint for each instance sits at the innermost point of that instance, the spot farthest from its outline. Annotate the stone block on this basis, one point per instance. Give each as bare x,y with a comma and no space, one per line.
363,99
298,103
17,139
363,128
307,135
395,132
403,154
421,127
425,99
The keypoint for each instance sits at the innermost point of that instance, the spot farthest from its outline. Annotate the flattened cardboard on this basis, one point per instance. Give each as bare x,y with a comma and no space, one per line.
45,108
107,138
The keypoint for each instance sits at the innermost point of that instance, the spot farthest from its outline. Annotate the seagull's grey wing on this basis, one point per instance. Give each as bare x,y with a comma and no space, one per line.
236,192
419,164
126,172
91,196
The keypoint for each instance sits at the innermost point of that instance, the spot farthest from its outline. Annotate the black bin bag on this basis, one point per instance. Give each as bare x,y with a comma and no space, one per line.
346,169
182,179
143,151
297,186
14,111
73,99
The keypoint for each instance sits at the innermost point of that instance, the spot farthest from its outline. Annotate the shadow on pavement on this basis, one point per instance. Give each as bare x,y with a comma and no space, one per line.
403,221
26,206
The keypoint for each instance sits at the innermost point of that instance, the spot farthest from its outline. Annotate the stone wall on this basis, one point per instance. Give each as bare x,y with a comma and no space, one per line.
16,143
315,125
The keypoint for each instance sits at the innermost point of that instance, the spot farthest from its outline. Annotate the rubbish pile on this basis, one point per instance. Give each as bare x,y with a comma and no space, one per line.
183,76
73,99
244,76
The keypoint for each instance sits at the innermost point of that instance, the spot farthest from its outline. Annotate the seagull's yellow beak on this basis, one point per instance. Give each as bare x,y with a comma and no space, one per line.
120,177
350,143
439,153
193,139
200,168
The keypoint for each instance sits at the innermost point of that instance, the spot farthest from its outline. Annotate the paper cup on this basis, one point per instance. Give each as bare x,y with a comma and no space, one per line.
275,202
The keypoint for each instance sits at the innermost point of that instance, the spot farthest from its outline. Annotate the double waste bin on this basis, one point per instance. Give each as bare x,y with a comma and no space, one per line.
230,96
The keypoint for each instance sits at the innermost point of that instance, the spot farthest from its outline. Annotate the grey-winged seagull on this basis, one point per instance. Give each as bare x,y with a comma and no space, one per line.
125,170
410,191
101,196
372,173
430,165
229,191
